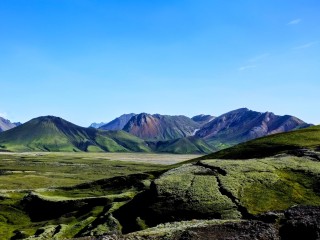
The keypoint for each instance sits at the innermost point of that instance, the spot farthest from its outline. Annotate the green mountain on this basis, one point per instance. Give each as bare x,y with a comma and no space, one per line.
55,134
308,138
186,145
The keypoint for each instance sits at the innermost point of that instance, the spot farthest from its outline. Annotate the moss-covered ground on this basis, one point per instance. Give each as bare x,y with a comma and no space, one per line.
229,189
75,182
61,196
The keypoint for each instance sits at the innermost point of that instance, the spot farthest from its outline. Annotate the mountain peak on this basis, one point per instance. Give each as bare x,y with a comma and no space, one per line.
49,117
160,127
118,123
202,119
239,110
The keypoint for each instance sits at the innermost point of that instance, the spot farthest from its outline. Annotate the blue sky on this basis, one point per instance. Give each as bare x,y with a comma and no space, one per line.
93,60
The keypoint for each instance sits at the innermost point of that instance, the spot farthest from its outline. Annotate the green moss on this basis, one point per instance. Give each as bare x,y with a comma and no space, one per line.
94,149
270,184
226,186
13,219
291,188
142,224
52,170
167,230
197,191
55,177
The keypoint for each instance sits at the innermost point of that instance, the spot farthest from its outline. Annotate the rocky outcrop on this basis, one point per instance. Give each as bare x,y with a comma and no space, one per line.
40,208
296,223
301,222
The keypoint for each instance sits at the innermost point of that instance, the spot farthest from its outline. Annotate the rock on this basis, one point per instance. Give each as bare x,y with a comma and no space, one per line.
19,235
247,230
301,223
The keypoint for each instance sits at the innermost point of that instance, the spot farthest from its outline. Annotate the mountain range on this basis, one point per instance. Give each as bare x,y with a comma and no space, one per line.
56,134
242,125
148,133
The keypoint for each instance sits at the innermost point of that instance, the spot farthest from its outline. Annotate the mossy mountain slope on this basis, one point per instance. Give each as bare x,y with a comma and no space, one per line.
308,138
55,134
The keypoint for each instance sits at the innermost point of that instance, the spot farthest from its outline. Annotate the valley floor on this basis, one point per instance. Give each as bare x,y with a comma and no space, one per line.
60,177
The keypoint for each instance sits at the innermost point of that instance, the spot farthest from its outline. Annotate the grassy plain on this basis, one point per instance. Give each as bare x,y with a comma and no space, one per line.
20,171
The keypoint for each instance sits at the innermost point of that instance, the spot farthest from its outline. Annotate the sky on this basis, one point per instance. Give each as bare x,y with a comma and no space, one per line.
93,60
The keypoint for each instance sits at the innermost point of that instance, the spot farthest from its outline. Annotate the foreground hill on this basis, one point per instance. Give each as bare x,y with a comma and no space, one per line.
243,125
118,123
6,124
161,127
308,138
55,134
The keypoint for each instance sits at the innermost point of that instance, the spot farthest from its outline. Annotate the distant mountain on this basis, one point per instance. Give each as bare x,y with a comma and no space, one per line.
243,124
203,119
146,133
55,134
118,123
97,125
6,124
158,127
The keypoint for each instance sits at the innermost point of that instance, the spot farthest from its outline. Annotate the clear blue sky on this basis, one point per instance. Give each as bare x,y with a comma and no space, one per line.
90,60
